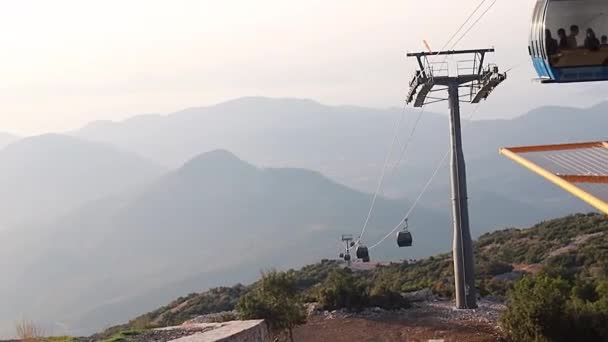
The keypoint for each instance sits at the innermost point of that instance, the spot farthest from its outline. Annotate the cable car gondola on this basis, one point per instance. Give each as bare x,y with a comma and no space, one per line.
404,237
569,40
363,253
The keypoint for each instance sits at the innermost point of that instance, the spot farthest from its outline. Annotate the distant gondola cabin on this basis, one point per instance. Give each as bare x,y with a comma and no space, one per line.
362,252
404,239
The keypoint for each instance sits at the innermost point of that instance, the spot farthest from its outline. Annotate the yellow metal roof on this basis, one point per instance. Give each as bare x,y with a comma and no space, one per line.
580,169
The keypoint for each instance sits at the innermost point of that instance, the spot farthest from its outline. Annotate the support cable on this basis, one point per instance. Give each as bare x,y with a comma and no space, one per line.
474,24
381,181
463,25
406,145
398,124
409,212
424,189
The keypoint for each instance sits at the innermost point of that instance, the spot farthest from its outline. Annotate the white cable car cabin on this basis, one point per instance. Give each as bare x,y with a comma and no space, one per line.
569,40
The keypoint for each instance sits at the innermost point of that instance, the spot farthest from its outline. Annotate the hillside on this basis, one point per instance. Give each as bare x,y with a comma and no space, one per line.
216,218
574,247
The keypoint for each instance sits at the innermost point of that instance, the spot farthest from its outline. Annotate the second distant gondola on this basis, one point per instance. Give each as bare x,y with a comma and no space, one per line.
404,239
363,253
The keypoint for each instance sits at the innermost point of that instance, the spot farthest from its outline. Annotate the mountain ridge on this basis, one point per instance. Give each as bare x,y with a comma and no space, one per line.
56,173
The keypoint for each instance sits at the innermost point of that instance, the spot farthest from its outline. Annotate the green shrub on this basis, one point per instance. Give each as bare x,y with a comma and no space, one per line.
275,299
536,309
384,297
342,290
493,268
544,308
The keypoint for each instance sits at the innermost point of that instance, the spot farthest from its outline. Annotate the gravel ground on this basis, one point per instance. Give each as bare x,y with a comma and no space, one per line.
488,312
425,321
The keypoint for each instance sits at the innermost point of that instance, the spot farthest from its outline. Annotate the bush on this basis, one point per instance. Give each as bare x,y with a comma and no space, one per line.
342,290
494,268
536,309
587,321
386,298
276,300
443,288
544,308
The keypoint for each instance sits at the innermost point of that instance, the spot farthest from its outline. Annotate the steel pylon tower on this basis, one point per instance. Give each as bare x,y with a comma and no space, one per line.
478,82
347,239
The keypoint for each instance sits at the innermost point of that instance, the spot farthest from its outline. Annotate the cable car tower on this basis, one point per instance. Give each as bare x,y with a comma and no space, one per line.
349,243
477,81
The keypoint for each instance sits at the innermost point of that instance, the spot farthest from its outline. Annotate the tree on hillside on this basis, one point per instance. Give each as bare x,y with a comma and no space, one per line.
588,311
275,299
545,308
342,290
536,309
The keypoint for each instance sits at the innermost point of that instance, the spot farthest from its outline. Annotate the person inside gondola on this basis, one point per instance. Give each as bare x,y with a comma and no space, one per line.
591,41
572,42
563,39
550,43
604,43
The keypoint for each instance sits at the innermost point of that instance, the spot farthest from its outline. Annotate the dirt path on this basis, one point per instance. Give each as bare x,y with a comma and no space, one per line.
430,322
389,330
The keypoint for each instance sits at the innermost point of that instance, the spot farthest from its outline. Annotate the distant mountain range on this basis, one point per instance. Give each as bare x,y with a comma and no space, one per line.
353,140
49,175
96,231
349,144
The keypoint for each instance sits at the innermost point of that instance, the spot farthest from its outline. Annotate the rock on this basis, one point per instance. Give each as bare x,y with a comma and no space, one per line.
312,309
511,276
419,296
214,318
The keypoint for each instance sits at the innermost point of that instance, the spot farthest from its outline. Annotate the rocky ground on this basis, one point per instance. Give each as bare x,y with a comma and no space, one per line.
425,321
428,320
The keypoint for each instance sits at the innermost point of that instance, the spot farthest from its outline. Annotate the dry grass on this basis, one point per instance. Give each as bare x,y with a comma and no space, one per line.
27,330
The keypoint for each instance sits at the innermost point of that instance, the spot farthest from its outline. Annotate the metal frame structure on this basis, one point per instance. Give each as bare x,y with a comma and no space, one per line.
347,239
470,75
581,169
479,82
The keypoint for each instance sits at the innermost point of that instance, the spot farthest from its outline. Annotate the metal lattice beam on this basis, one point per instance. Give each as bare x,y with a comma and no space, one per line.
580,169
479,81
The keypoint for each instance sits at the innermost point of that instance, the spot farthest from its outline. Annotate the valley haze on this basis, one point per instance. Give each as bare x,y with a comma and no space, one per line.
117,218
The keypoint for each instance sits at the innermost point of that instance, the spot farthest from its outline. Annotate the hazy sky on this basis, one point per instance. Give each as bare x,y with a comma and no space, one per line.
64,63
